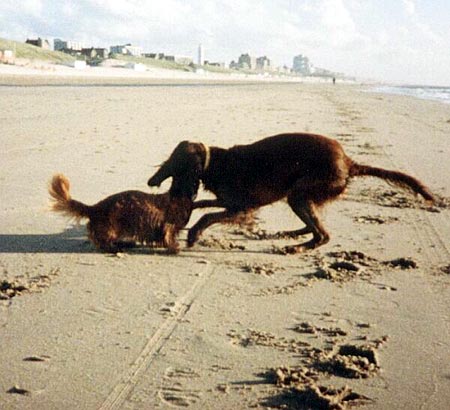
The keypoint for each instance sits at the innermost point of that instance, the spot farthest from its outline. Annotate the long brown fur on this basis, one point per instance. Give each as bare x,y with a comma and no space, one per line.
307,169
127,216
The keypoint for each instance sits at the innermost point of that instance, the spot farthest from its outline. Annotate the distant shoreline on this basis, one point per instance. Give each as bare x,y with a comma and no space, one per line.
430,93
42,73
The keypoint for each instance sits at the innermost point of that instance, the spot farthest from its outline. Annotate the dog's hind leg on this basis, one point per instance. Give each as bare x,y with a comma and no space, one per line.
305,200
307,211
103,237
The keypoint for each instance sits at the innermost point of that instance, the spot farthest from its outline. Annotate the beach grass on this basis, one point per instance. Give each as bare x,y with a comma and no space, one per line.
28,51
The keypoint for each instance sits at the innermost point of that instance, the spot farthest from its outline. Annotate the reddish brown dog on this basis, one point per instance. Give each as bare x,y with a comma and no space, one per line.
131,216
309,170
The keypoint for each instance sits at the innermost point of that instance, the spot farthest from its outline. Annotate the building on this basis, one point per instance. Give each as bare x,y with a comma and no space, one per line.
155,56
301,65
151,55
95,53
283,70
78,64
263,64
245,61
183,60
214,64
201,55
62,45
7,57
137,67
42,43
127,49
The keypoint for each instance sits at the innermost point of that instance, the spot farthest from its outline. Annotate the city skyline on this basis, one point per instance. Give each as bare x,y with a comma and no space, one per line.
244,61
405,41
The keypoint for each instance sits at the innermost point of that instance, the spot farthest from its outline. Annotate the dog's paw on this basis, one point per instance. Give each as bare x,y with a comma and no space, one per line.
294,249
192,238
173,250
281,250
291,250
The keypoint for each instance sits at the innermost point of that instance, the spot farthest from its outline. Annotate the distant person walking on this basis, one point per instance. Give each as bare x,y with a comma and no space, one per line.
334,80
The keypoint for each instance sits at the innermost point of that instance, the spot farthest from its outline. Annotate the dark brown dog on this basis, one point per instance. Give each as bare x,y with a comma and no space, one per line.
129,216
309,170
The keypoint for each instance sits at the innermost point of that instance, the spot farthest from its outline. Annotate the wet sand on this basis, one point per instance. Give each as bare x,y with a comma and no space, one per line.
230,323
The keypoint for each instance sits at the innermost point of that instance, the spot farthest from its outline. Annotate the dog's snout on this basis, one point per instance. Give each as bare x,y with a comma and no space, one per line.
160,176
152,182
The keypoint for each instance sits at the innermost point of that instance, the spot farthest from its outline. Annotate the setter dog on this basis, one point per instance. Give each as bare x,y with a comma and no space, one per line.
307,169
120,220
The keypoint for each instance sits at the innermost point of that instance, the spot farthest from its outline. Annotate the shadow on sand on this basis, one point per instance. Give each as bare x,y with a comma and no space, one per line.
72,240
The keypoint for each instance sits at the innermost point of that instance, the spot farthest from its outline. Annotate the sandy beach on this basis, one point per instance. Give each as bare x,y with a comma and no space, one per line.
228,324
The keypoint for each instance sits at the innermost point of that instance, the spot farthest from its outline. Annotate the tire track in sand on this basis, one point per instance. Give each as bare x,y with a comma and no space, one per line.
130,379
430,230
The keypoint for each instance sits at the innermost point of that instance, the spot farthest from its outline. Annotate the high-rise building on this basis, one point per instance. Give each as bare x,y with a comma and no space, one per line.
301,65
263,64
126,49
201,55
247,62
59,45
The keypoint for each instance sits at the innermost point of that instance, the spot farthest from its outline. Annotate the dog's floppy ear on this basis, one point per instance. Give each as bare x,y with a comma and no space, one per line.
187,158
172,166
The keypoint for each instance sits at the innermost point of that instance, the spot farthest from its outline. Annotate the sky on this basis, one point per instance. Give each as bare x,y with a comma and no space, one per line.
396,41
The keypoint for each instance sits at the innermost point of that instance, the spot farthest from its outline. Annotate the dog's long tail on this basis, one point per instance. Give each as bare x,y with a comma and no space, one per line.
62,202
400,179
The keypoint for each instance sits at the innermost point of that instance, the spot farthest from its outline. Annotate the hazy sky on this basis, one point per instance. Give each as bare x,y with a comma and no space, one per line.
405,41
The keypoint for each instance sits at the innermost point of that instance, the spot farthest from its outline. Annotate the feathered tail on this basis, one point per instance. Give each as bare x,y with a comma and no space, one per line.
62,202
394,177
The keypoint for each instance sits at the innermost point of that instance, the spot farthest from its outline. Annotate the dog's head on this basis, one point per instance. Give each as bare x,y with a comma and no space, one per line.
185,165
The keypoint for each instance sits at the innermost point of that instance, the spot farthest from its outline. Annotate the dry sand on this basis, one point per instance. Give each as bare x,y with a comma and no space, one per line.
228,324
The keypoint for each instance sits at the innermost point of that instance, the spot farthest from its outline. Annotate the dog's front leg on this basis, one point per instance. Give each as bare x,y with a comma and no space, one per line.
207,203
207,220
170,241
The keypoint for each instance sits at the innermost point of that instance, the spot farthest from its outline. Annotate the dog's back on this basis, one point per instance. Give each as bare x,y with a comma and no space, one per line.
290,155
123,205
130,215
265,171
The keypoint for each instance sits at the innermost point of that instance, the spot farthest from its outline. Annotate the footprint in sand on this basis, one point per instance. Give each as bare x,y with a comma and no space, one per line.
18,390
175,389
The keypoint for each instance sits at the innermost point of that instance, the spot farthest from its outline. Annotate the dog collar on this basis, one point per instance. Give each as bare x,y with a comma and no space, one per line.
207,157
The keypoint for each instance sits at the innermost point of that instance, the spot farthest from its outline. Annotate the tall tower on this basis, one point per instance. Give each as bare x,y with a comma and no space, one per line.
302,65
201,55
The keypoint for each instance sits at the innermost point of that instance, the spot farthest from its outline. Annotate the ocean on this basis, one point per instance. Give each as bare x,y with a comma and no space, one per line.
425,92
